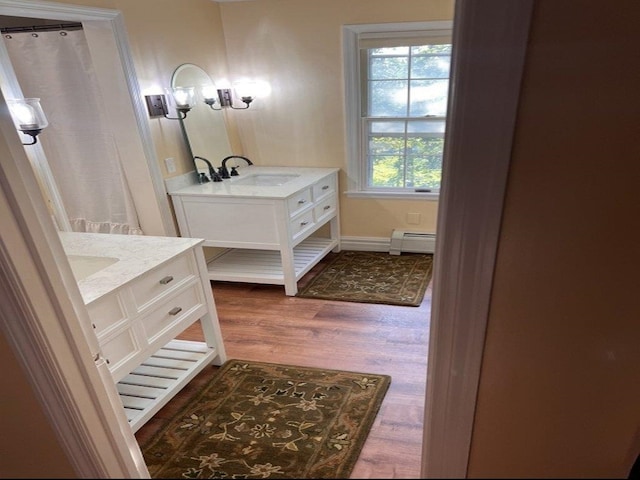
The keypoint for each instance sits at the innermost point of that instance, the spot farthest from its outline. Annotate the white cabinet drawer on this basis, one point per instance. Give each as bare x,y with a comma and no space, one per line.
119,348
301,223
106,313
299,202
161,281
173,311
326,186
325,208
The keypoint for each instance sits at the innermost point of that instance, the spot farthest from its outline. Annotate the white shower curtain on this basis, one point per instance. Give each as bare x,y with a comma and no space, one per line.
81,150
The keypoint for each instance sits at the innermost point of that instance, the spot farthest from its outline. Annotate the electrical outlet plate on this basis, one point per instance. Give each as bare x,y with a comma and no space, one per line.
171,165
413,218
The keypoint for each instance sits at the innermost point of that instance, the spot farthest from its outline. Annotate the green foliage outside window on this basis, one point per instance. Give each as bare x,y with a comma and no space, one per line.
421,167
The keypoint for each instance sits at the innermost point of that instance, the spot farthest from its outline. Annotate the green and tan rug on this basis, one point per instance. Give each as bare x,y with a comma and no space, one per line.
372,277
263,420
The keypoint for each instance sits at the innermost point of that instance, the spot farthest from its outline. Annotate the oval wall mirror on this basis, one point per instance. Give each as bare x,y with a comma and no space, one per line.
204,129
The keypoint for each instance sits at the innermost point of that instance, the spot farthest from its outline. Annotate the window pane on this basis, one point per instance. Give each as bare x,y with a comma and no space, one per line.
387,127
388,98
430,67
389,68
432,49
386,171
426,126
428,97
390,51
386,146
424,159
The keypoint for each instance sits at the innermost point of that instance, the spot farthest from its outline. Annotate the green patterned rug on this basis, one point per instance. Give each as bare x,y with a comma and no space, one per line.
373,277
263,420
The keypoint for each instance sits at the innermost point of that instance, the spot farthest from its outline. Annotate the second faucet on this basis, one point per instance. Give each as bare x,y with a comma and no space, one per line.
224,172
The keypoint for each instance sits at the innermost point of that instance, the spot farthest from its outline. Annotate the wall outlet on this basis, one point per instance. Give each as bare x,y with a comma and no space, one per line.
413,218
171,165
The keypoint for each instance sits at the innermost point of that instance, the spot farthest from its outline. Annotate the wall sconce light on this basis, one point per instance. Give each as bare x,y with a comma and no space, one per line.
28,116
225,96
182,98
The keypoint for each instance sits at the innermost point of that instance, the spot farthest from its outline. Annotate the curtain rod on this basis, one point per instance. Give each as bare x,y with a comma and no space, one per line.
43,28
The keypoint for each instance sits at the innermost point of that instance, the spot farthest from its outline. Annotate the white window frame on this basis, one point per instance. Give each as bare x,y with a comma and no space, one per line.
356,162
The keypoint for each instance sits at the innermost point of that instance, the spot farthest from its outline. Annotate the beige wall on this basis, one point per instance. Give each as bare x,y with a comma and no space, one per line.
560,379
295,46
164,34
28,444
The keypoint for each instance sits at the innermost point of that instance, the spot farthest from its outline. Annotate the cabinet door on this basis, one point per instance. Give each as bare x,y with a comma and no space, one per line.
107,313
118,350
241,223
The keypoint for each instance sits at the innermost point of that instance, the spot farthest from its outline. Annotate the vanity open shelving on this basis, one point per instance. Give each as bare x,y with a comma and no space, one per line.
141,293
275,223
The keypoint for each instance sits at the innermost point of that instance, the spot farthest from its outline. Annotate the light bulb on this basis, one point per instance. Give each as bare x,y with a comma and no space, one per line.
184,96
27,113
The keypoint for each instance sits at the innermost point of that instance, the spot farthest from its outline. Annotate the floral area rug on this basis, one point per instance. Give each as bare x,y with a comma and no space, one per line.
373,277
263,420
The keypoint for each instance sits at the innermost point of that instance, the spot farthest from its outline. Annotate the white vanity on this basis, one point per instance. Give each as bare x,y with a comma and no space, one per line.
141,292
269,219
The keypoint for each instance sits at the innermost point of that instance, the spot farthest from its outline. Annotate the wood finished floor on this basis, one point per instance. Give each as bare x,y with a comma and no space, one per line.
261,323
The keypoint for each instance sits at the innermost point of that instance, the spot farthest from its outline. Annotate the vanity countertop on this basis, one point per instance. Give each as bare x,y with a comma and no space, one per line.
230,188
137,254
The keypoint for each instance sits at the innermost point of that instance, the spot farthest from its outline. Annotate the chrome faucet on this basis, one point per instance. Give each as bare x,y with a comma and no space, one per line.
224,173
212,171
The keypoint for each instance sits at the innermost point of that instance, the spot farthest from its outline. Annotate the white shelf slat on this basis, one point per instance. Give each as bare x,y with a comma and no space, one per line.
265,266
151,385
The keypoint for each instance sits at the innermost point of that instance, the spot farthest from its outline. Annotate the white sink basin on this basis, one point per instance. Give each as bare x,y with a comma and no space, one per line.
83,266
265,179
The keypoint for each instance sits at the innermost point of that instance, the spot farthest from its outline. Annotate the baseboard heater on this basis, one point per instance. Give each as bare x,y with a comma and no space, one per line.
415,242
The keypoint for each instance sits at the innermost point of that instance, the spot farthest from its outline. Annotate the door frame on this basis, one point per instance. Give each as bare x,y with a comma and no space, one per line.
489,49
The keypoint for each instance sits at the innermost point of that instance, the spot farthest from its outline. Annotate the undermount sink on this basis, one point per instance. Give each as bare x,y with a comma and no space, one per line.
265,179
83,266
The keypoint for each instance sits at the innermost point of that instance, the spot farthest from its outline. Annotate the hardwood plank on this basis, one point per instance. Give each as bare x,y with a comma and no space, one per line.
259,322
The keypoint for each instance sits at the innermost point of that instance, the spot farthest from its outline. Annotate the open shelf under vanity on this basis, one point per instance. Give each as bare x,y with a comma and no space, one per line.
151,385
265,266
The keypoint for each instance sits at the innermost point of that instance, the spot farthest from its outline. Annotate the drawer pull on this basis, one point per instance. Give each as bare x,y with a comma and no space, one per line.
324,187
166,280
300,202
327,207
175,310
302,224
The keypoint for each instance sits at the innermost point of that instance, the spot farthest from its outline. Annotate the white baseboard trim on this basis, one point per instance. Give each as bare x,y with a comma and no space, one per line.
365,244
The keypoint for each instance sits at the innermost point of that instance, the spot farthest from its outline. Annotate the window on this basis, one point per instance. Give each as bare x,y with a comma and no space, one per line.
397,83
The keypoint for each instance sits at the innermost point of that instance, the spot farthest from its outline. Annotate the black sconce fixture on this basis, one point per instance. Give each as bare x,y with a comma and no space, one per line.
225,96
28,116
183,100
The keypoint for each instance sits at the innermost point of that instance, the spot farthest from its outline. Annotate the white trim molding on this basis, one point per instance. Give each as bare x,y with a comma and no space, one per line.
489,47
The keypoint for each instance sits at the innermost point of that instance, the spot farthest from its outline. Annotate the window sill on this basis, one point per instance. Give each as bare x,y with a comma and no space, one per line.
393,195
